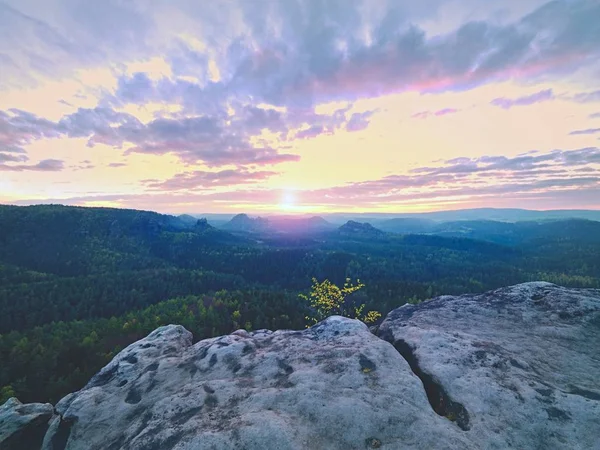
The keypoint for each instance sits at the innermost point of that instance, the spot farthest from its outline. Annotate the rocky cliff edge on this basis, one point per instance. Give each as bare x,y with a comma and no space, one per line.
517,367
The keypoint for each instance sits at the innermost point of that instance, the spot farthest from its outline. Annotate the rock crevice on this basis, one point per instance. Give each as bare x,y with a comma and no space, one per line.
439,400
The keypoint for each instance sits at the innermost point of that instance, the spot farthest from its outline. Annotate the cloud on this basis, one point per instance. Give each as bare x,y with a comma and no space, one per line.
292,58
359,121
117,164
8,157
557,158
588,131
538,97
311,132
446,111
46,165
438,113
59,37
202,179
213,140
312,52
587,97
19,128
594,115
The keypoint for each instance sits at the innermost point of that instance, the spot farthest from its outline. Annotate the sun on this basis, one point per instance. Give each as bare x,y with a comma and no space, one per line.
288,200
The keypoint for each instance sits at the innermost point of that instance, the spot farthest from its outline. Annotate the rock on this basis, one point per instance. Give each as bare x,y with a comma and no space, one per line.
516,368
246,224
333,386
22,427
512,368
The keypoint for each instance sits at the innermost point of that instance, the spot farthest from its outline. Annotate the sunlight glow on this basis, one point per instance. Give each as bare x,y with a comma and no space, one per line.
288,201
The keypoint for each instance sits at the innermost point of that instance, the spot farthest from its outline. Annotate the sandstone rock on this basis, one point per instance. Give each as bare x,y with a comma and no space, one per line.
517,367
334,386
513,368
22,427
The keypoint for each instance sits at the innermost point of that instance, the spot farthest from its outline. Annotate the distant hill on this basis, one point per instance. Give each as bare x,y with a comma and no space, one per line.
299,225
187,219
242,223
362,230
507,215
577,230
407,225
246,224
69,240
495,214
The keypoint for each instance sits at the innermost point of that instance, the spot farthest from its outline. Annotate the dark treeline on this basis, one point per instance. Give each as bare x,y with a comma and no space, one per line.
79,284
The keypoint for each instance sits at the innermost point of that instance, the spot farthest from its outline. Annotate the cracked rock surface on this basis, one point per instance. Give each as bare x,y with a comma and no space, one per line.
22,426
523,361
333,386
512,368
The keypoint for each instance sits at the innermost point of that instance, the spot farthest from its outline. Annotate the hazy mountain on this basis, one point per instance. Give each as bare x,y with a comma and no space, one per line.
495,214
407,225
299,225
246,224
278,224
579,230
187,219
76,240
362,230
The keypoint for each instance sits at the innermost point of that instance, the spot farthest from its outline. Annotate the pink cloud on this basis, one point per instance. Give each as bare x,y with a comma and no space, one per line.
438,113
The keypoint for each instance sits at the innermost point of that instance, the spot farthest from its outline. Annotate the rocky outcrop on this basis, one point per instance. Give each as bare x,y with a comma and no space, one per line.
512,368
516,368
245,224
22,427
335,386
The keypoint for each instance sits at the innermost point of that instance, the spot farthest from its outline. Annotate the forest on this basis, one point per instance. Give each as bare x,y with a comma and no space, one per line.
77,285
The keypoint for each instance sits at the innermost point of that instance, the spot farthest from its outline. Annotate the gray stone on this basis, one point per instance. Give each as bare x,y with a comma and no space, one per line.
520,363
22,426
334,386
513,368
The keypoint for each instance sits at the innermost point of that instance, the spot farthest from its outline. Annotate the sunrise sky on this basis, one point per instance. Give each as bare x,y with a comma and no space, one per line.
300,105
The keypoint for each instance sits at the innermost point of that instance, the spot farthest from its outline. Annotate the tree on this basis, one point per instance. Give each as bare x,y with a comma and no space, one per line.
5,393
327,299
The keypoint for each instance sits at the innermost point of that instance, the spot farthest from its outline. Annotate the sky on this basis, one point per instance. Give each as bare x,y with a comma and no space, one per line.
300,106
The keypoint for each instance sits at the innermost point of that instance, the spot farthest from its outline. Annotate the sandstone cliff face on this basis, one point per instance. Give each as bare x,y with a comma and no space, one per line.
513,368
518,366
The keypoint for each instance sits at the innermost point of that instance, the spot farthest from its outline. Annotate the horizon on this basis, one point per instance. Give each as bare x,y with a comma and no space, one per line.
351,107
342,214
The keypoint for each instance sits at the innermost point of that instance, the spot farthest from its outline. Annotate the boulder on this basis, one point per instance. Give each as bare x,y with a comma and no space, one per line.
22,426
517,367
512,368
333,386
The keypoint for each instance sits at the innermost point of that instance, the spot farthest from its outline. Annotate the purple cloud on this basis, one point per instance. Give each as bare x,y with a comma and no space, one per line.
538,97
588,131
421,115
486,164
587,97
9,157
572,176
595,115
438,113
46,165
310,133
213,140
202,179
359,121
20,128
307,65
446,111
